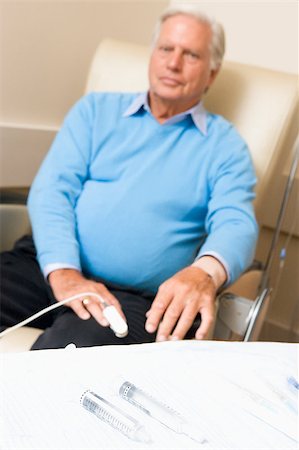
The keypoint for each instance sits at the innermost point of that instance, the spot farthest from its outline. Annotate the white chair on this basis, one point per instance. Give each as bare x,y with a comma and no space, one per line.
263,105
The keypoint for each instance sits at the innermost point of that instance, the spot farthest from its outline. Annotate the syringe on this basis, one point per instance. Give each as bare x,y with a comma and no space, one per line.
159,411
113,416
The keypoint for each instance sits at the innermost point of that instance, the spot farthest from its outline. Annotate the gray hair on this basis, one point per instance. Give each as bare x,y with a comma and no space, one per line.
217,47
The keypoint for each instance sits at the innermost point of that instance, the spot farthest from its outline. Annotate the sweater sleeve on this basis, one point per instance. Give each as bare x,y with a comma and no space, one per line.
57,186
230,222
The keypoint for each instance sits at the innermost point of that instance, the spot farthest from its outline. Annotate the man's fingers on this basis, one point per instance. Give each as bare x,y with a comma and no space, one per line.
207,319
95,306
170,318
91,306
79,309
185,322
70,283
155,313
177,303
95,309
111,300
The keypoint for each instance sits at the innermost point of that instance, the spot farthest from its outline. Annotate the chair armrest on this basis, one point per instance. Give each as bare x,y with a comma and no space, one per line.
20,340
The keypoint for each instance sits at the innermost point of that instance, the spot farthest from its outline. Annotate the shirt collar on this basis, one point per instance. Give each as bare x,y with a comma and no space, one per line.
197,112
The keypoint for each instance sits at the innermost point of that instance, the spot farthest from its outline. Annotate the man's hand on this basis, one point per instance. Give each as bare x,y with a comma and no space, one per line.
68,282
182,297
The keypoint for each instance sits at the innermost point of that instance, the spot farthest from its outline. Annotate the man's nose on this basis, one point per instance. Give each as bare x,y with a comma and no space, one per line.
175,60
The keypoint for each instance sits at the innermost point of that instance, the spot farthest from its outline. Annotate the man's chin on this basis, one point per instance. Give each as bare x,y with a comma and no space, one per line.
168,93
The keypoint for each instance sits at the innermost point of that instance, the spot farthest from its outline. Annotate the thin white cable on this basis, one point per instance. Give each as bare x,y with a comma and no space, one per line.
116,322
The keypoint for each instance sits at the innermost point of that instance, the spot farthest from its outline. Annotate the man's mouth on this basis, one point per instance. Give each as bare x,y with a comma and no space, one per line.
168,81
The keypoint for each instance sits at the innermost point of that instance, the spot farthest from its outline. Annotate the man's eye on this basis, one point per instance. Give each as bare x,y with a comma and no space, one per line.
191,56
165,49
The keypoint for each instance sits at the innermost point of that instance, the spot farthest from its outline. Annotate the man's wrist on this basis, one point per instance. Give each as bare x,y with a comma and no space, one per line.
51,267
213,268
60,274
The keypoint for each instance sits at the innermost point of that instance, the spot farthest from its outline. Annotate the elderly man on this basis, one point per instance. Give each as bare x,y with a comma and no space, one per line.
144,199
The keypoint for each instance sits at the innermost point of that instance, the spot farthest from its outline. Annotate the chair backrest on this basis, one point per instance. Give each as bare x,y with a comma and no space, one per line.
263,104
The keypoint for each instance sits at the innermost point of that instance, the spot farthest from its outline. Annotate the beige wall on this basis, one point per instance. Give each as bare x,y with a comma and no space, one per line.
46,49
47,45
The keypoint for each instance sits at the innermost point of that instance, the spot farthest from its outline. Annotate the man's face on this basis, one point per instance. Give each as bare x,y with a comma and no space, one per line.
179,69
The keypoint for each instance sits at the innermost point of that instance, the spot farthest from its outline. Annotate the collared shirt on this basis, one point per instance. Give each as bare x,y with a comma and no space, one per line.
197,112
132,201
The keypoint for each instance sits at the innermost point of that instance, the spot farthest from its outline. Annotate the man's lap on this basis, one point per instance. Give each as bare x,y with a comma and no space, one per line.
24,291
69,328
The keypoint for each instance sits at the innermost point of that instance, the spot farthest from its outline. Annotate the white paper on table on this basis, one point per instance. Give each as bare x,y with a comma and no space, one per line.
235,394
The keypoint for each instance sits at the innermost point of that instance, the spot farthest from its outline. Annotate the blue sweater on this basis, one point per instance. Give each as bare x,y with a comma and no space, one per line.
133,201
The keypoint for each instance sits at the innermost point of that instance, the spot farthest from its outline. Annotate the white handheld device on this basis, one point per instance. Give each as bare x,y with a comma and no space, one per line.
117,323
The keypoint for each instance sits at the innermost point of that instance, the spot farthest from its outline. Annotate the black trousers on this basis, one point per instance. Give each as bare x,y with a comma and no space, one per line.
24,292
